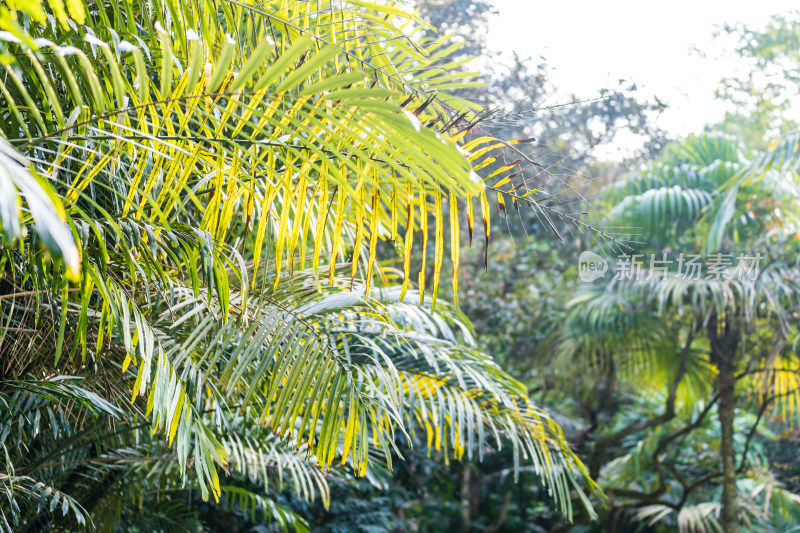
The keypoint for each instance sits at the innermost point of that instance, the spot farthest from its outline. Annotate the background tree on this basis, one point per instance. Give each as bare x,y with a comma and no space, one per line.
678,332
761,98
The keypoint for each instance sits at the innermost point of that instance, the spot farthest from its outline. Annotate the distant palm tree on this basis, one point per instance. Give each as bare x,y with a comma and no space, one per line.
701,197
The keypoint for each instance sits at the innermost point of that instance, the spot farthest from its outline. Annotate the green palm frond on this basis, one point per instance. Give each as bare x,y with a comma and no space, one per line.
275,464
55,406
663,205
181,180
672,195
771,174
780,156
163,516
21,186
280,370
455,396
250,504
661,175
266,145
700,518
27,493
704,150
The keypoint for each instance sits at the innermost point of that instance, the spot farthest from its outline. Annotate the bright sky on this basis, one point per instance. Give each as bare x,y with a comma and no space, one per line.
592,43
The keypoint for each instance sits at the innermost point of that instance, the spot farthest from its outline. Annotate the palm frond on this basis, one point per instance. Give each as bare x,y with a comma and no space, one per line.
251,503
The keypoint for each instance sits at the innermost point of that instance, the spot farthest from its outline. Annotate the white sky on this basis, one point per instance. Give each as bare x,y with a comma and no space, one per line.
593,43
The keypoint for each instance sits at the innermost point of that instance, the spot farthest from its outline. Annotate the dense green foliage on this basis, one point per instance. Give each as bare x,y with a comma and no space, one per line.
195,323
225,227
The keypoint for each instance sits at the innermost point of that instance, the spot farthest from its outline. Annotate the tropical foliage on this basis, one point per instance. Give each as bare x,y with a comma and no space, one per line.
193,195
239,289
701,341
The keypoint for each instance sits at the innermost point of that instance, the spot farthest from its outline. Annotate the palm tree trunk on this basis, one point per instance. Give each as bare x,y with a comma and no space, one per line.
724,343
725,382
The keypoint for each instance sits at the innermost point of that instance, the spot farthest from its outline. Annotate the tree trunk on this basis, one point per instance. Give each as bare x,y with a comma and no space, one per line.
465,499
726,382
724,343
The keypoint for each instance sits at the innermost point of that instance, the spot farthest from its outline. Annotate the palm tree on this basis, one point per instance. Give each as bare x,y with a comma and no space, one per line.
175,177
704,194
